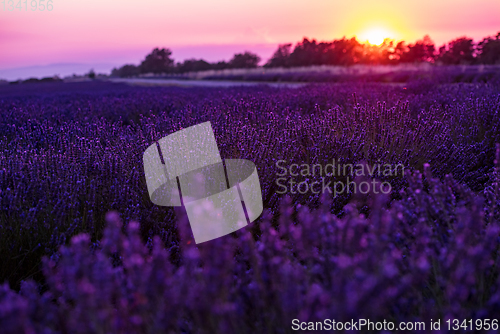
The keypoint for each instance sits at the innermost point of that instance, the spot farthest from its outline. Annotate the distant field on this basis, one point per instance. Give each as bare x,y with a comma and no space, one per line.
199,83
339,70
356,73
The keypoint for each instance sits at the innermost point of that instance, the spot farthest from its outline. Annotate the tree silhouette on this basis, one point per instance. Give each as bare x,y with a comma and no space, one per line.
244,60
158,61
458,51
305,53
221,65
91,74
125,71
346,52
421,51
281,57
193,65
488,50
342,52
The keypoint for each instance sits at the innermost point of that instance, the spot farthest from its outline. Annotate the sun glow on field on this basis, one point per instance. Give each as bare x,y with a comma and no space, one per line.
375,36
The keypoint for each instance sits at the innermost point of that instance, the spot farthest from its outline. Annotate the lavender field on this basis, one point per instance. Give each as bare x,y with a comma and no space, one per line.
84,250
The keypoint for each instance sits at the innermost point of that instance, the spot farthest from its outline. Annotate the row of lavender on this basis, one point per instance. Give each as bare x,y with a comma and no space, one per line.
433,255
450,74
71,153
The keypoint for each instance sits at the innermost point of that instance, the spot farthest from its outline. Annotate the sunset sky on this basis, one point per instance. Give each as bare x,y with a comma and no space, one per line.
118,32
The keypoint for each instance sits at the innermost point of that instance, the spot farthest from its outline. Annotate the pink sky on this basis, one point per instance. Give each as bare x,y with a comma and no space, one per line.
117,32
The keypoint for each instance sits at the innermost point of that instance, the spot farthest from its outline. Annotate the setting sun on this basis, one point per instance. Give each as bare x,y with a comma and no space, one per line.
375,36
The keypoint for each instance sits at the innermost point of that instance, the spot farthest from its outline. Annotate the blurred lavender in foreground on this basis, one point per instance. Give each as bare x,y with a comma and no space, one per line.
433,254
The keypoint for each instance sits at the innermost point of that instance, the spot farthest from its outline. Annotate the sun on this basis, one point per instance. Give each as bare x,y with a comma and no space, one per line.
375,36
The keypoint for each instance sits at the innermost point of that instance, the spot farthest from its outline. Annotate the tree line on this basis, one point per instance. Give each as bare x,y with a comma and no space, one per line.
159,61
342,52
